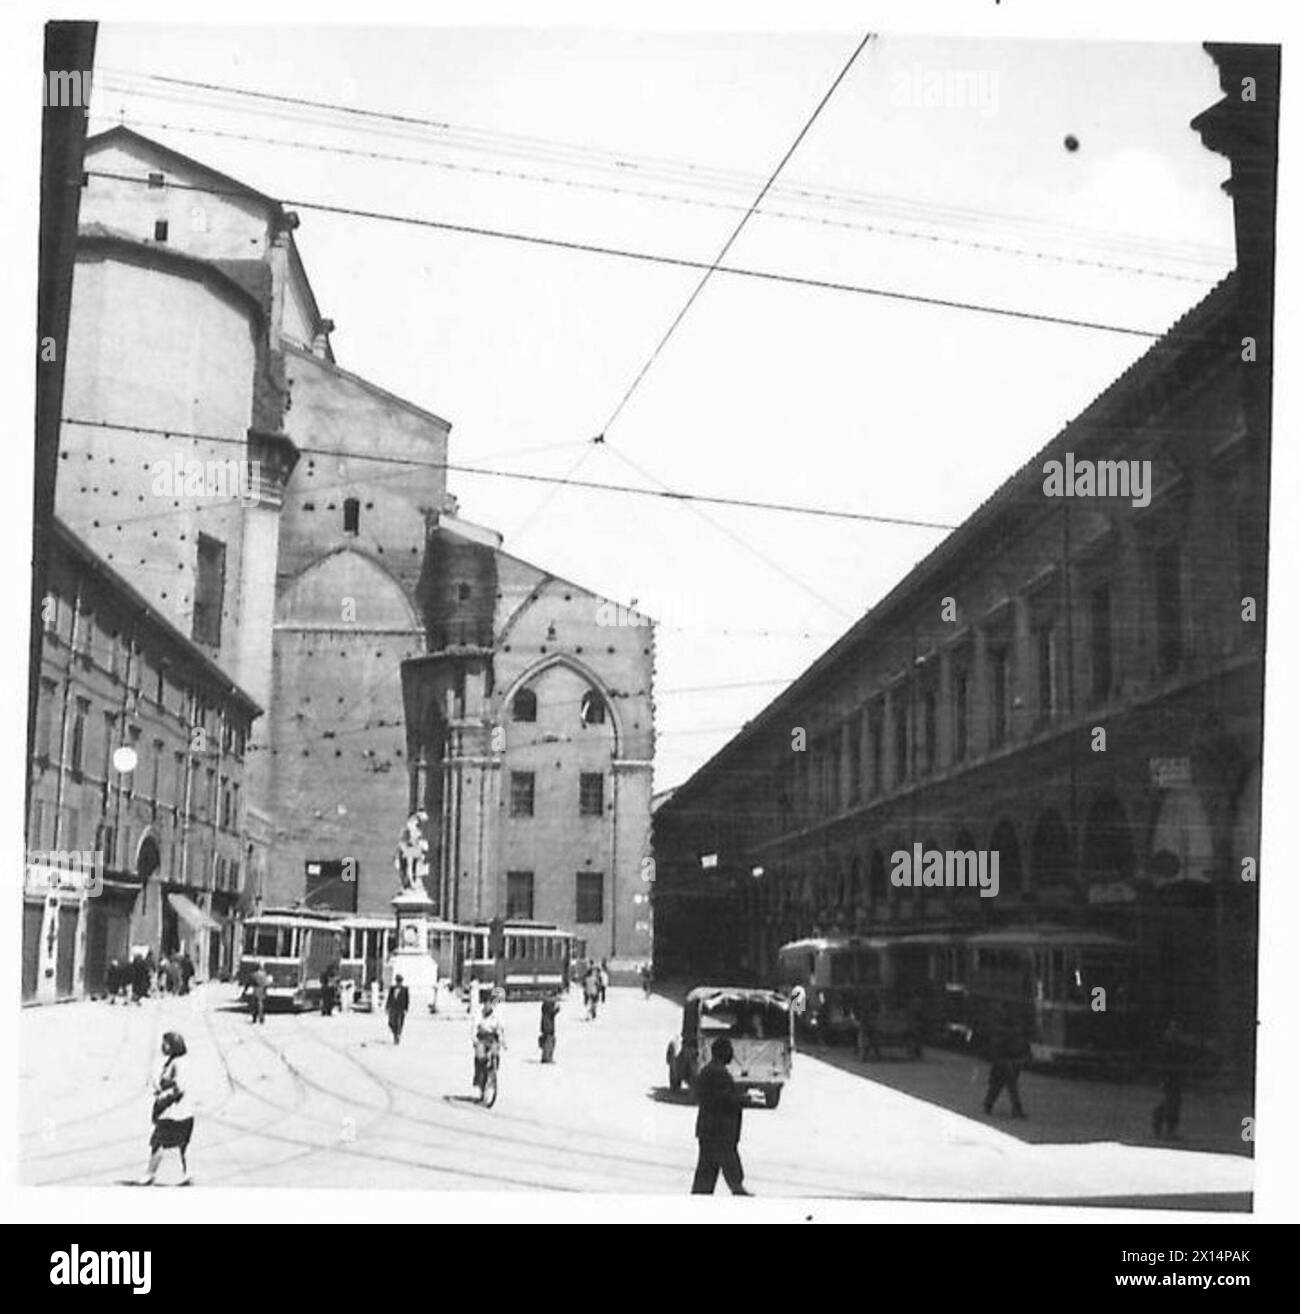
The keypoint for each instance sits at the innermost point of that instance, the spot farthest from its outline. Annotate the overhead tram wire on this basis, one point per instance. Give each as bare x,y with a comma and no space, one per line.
611,189
678,172
739,539
654,258
456,467
735,234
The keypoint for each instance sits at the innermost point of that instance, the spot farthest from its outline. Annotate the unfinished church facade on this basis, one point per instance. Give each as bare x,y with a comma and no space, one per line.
319,580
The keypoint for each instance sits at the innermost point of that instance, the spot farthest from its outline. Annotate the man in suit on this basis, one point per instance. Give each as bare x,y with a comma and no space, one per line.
717,1125
399,1001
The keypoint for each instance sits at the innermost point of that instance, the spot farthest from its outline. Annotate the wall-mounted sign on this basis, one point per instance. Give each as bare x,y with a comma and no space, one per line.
1169,771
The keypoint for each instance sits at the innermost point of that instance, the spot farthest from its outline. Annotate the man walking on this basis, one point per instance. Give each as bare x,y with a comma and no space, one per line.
1172,1055
647,979
399,1001
260,982
1008,1052
717,1125
591,992
546,1038
602,978
328,991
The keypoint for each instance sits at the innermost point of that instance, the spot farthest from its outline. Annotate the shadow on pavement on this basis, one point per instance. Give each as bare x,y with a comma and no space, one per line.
1060,1109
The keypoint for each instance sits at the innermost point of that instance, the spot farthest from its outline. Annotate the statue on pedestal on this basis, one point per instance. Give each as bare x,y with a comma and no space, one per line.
413,907
412,860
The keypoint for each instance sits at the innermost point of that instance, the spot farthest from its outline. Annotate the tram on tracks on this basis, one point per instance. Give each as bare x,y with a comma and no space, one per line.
1069,989
951,987
368,943
294,946
905,988
524,959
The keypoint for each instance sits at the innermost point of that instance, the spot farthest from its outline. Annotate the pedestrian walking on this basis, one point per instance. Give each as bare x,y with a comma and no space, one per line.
173,1118
172,968
260,982
113,980
602,978
591,993
328,994
186,965
1173,1052
717,1124
399,1001
647,979
1008,1053
546,1038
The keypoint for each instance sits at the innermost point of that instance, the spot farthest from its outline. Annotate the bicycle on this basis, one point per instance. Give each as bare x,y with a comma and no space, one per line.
486,1078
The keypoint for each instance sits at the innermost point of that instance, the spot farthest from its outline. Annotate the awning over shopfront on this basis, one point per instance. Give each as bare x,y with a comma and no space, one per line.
190,913
1181,845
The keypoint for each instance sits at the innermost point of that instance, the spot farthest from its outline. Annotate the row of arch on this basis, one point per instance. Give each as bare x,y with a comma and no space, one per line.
861,879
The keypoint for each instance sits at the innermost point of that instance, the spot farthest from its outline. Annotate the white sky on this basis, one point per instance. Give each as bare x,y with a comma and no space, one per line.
766,391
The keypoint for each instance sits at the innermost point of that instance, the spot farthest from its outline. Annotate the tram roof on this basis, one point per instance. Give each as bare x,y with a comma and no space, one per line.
1046,935
861,941
316,916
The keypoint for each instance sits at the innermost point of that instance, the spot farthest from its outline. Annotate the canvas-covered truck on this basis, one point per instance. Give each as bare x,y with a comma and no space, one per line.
758,1024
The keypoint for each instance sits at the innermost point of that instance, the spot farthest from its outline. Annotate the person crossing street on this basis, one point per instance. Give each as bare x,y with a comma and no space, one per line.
397,1005
717,1125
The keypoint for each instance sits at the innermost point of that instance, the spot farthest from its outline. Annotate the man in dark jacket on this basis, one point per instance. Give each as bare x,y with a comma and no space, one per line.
717,1125
399,1001
1008,1052
546,1037
1173,1053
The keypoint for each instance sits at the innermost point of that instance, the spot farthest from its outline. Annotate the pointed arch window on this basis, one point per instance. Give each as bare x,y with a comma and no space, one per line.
524,706
593,708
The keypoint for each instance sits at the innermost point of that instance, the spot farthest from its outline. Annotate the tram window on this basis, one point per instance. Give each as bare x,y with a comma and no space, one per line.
262,941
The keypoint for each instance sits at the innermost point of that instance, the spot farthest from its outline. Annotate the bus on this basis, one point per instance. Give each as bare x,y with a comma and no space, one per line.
293,945
1069,989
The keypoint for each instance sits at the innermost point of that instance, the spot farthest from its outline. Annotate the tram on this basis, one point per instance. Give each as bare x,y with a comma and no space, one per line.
293,946
910,987
525,959
368,943
1070,989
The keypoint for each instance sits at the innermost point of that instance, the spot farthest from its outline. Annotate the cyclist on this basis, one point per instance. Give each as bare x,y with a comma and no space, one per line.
489,1041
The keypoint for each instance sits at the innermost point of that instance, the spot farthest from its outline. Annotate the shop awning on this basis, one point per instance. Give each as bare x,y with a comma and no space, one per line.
190,912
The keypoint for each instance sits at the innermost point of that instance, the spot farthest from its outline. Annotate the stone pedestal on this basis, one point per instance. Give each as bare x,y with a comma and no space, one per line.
413,959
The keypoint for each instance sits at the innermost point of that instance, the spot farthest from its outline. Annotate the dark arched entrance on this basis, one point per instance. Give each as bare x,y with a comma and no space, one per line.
1050,851
1108,850
1006,844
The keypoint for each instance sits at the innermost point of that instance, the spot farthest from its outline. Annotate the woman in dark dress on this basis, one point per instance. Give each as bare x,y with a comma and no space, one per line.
173,1118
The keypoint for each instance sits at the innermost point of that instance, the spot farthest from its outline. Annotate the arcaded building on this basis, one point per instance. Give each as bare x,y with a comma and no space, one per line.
1073,682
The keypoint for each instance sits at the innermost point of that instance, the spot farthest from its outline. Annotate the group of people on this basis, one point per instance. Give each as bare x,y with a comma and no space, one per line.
134,981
